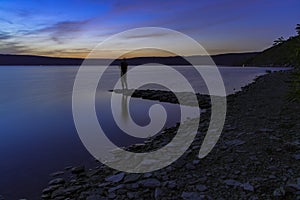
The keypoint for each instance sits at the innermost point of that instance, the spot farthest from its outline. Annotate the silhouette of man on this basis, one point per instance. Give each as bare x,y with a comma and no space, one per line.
124,66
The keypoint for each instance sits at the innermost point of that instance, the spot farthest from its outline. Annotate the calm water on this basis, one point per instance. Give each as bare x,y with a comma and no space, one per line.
38,136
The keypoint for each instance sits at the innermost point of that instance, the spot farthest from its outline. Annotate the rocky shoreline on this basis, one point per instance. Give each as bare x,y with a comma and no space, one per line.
257,156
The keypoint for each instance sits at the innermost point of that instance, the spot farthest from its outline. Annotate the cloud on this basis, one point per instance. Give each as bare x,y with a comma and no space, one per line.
61,31
146,35
6,21
4,36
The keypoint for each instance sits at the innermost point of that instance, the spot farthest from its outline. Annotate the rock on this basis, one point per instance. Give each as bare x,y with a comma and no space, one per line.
171,184
292,188
1,197
272,177
72,189
131,178
297,156
190,166
115,178
196,162
68,168
131,195
235,142
110,190
77,170
157,193
192,196
112,195
95,197
134,185
201,188
58,193
248,187
279,192
147,175
151,183
231,182
265,130
50,189
57,181
59,173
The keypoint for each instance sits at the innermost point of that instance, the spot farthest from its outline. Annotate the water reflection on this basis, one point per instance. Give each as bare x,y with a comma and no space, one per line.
124,109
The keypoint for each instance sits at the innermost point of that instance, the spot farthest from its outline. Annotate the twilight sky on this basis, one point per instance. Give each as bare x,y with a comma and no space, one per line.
71,28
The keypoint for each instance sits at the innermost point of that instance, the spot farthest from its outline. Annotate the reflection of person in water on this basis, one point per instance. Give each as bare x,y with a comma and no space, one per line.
124,66
124,111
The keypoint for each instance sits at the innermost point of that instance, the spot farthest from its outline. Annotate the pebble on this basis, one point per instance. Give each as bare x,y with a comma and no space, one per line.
95,197
192,196
157,193
248,187
115,178
201,188
131,178
297,156
235,142
151,183
59,173
57,181
231,182
78,170
110,190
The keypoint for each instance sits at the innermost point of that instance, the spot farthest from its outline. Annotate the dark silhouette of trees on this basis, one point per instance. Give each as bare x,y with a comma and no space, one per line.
278,41
298,29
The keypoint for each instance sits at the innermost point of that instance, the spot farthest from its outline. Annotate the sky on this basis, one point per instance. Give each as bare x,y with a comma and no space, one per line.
72,28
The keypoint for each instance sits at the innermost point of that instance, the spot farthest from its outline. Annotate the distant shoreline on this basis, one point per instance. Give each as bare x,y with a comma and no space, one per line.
229,59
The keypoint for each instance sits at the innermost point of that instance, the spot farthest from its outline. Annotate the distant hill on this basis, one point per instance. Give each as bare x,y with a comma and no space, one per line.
283,54
231,59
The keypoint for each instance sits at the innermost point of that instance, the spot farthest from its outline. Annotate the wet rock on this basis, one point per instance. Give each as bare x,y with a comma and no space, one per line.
248,187
147,175
116,178
72,189
58,193
292,188
112,195
171,184
57,181
157,193
110,190
201,188
190,166
95,197
68,168
151,183
232,182
235,142
77,170
55,174
131,195
192,196
196,162
279,192
131,178
50,189
297,156
101,185
265,130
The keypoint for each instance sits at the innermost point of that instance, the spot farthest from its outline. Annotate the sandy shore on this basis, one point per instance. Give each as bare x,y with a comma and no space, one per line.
257,156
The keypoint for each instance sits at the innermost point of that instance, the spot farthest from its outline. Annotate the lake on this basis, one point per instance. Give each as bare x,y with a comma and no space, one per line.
38,135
